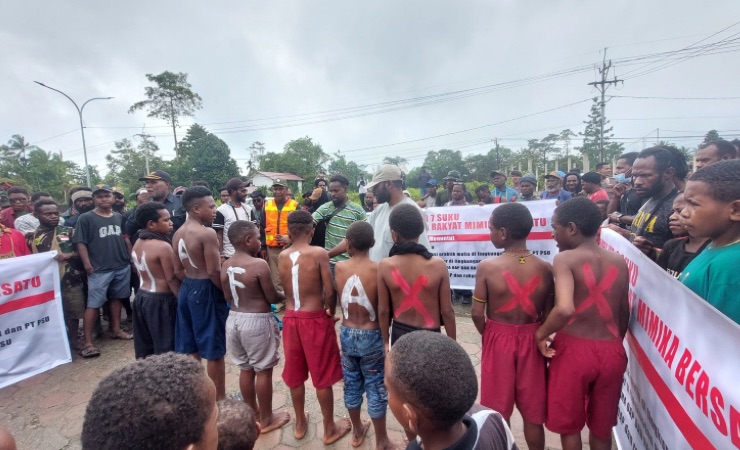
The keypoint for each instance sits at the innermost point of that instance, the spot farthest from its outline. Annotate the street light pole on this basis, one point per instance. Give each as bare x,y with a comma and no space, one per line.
82,126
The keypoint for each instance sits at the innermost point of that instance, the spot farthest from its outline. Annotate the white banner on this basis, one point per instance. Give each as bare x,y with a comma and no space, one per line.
33,336
681,386
460,236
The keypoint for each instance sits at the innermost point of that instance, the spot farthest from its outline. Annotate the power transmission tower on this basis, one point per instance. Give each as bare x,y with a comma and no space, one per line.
602,86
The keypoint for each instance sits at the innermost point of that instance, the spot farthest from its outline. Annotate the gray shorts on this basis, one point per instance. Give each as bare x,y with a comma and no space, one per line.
253,340
102,286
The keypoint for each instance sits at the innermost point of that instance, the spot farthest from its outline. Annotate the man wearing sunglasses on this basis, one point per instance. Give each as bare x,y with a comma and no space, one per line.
18,198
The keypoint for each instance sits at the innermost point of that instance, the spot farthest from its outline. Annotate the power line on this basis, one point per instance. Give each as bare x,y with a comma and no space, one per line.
675,98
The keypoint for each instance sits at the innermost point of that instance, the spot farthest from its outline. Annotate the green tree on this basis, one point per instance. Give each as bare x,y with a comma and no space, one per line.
350,169
170,99
204,157
480,166
20,146
126,164
592,135
301,157
256,152
397,160
439,162
712,135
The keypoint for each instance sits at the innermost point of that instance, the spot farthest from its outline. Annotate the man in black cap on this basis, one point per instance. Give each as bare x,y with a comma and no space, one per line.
591,183
158,187
453,176
234,209
501,192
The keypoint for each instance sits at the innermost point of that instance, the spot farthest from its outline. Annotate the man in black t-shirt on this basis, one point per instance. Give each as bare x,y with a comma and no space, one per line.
652,175
105,255
158,188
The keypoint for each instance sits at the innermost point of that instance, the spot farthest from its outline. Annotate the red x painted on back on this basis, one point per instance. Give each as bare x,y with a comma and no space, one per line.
596,296
520,294
412,297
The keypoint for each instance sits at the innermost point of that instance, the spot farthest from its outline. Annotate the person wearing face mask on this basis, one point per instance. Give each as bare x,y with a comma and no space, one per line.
625,203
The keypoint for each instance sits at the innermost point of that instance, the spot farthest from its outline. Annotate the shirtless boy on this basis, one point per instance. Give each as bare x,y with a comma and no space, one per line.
363,357
155,305
252,334
201,306
309,336
590,317
413,285
512,294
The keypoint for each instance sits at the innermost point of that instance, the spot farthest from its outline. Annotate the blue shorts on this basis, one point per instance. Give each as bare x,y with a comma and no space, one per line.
102,286
201,319
363,357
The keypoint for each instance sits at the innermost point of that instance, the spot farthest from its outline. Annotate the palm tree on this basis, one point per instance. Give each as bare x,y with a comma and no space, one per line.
20,147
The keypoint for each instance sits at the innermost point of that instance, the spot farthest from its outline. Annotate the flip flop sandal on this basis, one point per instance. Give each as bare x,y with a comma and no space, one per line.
89,352
122,335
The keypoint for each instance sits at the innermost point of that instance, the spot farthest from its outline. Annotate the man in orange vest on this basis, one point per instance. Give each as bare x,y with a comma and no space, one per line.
275,223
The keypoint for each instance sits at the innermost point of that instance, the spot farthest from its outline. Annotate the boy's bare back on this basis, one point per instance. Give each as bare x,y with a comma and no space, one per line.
247,284
195,247
597,281
154,260
418,289
304,271
516,293
357,290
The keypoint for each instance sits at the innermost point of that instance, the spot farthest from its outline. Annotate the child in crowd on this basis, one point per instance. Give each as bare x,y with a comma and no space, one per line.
170,404
362,343
309,336
201,307
431,390
155,305
603,205
238,428
678,252
513,291
713,211
413,285
252,334
590,317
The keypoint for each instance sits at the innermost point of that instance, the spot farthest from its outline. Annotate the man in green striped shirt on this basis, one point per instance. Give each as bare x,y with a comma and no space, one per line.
338,215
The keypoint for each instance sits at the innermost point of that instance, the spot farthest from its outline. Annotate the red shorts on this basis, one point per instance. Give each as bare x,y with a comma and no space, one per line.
512,371
585,382
310,343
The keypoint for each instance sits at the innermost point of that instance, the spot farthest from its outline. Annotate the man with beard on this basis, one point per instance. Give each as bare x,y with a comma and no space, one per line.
458,196
82,201
387,185
231,211
553,190
158,187
338,216
652,175
119,201
369,203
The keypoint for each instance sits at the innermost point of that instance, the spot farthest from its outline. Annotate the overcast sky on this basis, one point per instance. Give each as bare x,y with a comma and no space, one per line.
261,60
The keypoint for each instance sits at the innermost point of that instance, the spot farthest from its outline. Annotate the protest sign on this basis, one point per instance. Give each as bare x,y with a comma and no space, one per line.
33,337
680,389
460,236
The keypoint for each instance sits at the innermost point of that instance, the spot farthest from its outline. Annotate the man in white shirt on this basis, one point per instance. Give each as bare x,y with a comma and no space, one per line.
234,209
387,185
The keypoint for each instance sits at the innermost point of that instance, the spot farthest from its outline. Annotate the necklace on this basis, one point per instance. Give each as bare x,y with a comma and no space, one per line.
522,258
711,245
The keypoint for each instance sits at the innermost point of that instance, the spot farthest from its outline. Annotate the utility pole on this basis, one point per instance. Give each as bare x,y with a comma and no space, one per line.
498,154
602,86
145,137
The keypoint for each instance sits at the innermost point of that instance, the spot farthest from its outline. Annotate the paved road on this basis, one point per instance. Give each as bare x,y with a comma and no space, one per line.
46,411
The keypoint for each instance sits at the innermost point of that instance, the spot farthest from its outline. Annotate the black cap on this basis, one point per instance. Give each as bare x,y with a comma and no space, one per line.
156,176
257,193
102,188
496,173
234,184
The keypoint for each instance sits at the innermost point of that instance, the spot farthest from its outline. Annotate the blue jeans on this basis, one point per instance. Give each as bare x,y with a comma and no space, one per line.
363,357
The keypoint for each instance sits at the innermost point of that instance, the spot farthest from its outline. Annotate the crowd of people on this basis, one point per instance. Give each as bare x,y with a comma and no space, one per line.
208,280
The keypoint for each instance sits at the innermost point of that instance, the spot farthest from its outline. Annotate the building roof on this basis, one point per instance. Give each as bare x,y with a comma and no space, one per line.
284,176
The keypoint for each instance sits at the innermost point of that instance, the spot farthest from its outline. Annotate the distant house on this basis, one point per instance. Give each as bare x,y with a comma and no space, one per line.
260,178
